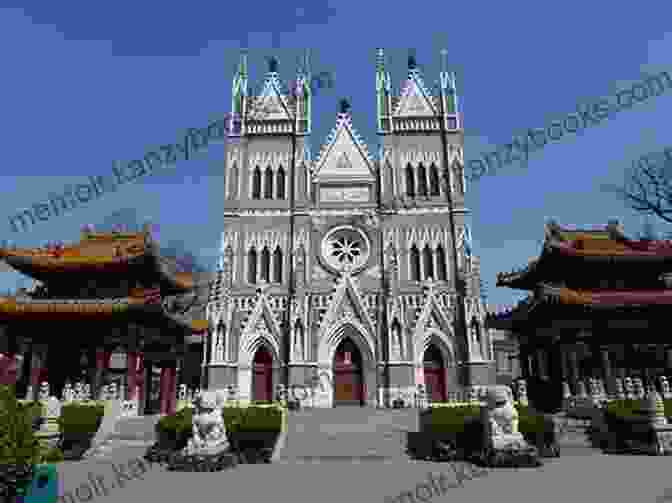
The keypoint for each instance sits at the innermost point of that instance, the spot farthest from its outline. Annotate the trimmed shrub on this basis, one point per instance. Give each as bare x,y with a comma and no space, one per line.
53,455
19,447
80,418
251,431
462,428
174,431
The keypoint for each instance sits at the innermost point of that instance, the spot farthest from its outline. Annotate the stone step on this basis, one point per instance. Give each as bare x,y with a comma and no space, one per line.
346,434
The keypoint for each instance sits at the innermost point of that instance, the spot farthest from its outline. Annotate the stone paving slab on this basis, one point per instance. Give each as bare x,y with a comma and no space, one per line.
593,477
597,478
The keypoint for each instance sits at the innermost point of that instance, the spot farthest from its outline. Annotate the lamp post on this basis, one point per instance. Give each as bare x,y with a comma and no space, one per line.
461,327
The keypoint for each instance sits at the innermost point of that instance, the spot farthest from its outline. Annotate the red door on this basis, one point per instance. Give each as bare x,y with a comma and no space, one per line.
348,382
434,375
262,376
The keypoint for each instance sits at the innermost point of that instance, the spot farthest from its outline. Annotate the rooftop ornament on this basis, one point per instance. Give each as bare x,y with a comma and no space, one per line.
345,106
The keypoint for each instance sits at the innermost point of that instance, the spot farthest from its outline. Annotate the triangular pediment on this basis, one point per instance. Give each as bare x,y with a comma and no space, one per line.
347,305
432,317
414,101
271,104
261,320
344,156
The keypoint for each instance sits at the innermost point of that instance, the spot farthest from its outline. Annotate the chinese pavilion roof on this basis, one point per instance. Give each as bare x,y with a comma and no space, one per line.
562,246
122,254
550,305
12,308
141,304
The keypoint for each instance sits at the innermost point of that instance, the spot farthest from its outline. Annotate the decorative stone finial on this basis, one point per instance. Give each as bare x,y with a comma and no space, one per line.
655,408
412,64
272,65
345,106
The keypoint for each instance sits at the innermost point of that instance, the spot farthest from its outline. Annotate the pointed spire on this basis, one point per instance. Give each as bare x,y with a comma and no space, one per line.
380,60
272,65
344,106
448,85
412,64
242,64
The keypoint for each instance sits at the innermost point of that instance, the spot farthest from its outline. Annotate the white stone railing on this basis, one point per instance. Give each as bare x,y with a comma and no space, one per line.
592,394
81,393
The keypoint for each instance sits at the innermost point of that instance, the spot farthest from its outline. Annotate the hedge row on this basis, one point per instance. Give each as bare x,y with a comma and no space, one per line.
465,426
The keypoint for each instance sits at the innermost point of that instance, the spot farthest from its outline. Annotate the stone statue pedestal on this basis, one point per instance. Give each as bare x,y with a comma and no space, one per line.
208,449
504,445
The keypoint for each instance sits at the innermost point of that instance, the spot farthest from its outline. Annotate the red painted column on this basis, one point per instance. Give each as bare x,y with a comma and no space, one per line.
131,374
8,368
163,393
172,390
140,375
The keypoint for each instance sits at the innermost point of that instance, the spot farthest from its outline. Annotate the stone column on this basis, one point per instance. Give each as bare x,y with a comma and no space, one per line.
145,404
38,366
541,356
572,360
97,376
556,374
131,373
524,359
607,373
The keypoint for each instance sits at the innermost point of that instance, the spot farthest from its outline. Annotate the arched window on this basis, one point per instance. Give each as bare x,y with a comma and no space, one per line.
221,334
457,169
265,264
280,193
256,183
422,181
397,342
410,181
252,265
233,181
415,263
434,180
277,265
441,264
268,183
428,260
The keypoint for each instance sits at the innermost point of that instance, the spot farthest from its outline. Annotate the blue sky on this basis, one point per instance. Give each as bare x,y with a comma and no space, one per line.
85,85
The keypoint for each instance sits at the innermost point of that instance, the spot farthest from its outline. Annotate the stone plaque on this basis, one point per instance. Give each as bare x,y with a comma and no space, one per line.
341,195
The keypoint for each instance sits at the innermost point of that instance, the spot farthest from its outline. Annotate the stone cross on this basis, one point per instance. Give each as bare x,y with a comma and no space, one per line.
665,387
566,392
79,391
639,388
44,391
653,405
68,393
522,392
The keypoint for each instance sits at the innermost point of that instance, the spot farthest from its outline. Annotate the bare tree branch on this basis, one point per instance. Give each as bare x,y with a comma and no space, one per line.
647,188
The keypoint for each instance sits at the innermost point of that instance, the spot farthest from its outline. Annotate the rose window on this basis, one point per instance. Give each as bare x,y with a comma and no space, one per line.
345,248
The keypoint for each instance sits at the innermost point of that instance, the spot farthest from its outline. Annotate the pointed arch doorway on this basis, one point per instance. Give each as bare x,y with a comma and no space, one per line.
348,374
262,375
435,374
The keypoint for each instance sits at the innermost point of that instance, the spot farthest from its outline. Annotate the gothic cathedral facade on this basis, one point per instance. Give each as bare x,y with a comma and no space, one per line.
373,307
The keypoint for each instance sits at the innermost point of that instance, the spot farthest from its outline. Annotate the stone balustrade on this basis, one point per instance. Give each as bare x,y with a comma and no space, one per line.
591,393
80,393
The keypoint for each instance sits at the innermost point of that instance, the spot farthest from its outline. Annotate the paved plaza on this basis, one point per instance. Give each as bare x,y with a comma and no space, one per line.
581,474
